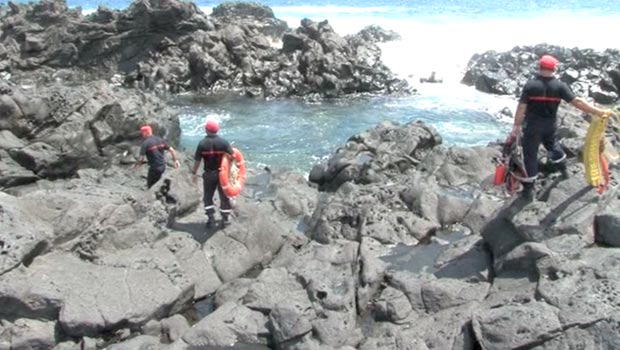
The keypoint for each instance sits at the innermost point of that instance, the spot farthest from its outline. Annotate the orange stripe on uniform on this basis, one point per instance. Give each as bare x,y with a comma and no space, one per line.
544,99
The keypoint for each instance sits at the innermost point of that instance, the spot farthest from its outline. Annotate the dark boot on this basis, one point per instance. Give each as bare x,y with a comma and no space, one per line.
564,173
528,193
225,220
211,221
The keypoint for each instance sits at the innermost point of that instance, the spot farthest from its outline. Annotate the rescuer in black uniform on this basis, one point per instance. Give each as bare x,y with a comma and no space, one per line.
211,149
538,108
153,148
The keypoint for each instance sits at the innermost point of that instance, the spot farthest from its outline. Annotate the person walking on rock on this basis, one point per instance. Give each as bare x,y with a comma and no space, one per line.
153,148
211,149
538,106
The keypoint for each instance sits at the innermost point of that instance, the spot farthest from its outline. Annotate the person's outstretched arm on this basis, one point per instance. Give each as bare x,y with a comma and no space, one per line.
195,170
139,162
584,106
174,157
197,160
519,118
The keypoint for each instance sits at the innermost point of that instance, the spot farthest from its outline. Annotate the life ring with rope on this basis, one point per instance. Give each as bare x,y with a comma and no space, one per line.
232,173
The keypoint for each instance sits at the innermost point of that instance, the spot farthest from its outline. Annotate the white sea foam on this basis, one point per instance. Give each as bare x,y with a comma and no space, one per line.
445,44
193,124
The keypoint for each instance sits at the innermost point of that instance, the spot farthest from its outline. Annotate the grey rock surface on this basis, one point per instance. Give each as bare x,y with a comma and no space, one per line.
60,285
228,325
23,235
514,326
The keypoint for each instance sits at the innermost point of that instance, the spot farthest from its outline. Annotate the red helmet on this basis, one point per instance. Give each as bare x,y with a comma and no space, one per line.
146,131
548,62
212,126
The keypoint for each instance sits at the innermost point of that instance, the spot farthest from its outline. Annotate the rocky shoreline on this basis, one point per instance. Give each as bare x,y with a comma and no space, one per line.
589,73
395,242
171,45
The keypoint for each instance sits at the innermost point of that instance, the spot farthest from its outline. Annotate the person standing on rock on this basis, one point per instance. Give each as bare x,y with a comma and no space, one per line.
153,148
538,106
211,149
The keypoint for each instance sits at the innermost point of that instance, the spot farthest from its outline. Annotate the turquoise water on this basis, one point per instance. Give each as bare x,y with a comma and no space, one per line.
295,135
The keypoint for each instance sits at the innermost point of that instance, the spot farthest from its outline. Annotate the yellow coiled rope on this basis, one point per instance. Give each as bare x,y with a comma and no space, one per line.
593,157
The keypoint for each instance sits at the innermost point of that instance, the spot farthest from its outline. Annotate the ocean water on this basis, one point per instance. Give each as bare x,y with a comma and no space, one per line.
437,36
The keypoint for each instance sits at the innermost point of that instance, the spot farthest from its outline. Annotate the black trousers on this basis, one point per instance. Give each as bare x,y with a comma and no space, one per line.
540,130
211,183
153,176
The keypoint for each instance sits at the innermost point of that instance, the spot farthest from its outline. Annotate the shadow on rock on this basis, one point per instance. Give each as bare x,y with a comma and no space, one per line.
198,230
556,212
499,233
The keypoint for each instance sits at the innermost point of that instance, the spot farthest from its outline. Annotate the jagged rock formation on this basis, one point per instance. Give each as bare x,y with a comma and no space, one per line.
406,235
172,45
588,72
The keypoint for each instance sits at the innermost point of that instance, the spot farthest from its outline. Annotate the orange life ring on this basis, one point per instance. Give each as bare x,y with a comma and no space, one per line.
232,181
605,169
